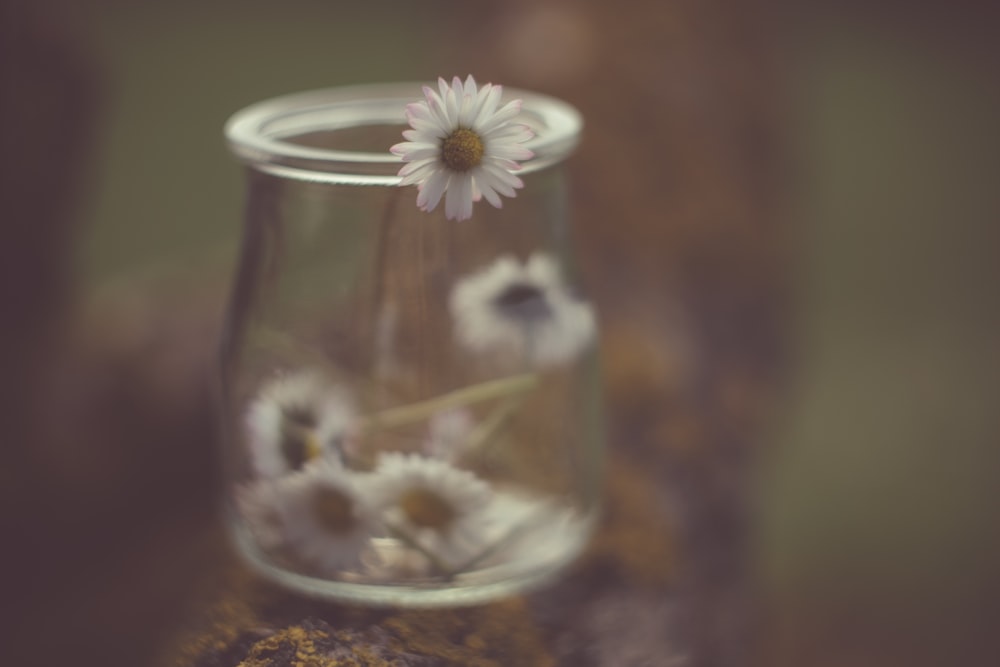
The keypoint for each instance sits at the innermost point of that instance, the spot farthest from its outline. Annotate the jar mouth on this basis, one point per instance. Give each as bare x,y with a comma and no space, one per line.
279,135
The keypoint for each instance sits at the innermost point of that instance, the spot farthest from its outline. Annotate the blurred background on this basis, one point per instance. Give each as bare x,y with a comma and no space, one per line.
787,214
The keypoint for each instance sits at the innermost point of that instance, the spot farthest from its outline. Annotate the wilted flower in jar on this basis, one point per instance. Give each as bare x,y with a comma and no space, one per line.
326,516
524,310
437,505
295,419
462,146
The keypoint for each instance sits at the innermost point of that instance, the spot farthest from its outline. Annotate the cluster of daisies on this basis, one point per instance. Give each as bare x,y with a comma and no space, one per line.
411,514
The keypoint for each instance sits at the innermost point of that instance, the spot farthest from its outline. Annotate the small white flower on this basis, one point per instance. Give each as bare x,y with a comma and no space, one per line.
325,516
522,310
449,430
462,144
434,503
294,419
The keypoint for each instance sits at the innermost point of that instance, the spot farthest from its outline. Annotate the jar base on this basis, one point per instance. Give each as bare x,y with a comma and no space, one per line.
474,588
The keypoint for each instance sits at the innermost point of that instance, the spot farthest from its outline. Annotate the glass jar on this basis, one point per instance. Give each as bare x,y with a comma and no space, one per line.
411,410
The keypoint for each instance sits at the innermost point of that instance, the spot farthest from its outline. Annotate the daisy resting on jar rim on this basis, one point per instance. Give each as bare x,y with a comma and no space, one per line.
462,146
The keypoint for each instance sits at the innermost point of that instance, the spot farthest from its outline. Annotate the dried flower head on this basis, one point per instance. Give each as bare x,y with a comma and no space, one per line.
433,502
326,516
521,310
462,145
295,419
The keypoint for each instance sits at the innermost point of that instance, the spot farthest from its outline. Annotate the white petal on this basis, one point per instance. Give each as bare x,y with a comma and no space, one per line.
465,197
486,190
422,152
501,163
451,103
466,111
436,105
418,111
509,152
417,165
458,202
405,148
427,129
513,133
474,189
481,98
470,86
418,175
488,106
500,180
502,115
431,191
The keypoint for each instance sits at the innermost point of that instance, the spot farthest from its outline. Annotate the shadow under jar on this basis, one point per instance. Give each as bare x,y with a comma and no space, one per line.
411,404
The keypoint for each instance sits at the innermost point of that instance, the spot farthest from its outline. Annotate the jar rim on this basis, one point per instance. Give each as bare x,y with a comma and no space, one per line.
258,135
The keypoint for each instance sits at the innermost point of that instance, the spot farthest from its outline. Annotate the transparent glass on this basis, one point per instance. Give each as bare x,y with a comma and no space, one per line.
411,404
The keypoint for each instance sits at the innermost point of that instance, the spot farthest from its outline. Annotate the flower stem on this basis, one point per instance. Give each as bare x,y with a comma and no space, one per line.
410,541
493,423
491,549
421,410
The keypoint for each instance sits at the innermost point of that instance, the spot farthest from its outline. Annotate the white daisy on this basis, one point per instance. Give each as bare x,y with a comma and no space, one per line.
294,419
325,516
433,503
462,144
521,310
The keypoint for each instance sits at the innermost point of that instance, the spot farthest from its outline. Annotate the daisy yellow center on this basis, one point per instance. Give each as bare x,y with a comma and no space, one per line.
462,150
334,510
426,509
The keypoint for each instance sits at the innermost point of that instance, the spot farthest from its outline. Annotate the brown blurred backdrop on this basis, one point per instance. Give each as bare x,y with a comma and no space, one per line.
787,214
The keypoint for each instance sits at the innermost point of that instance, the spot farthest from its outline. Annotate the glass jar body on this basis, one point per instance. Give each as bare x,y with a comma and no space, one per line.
410,403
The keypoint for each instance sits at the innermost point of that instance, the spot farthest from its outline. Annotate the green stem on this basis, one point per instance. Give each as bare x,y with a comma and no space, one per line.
411,542
419,411
493,423
492,548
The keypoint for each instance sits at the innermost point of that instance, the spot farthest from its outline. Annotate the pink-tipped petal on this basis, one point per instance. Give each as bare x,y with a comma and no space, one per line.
502,115
430,193
488,106
511,152
488,193
470,85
